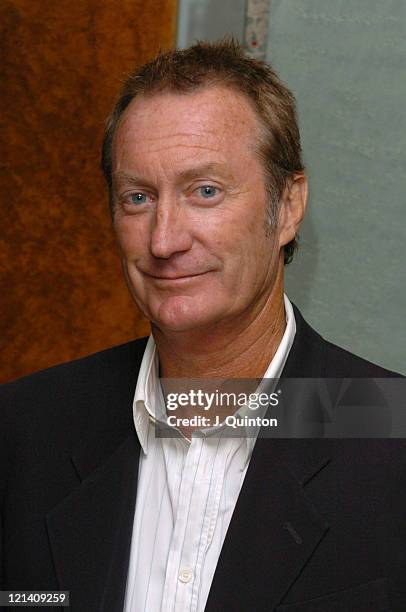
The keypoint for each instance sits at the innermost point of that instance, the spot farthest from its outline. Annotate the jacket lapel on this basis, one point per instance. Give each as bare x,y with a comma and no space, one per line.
275,526
90,530
274,529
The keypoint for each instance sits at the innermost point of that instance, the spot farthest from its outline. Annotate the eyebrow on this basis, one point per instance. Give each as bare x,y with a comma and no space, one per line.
216,168
211,168
123,177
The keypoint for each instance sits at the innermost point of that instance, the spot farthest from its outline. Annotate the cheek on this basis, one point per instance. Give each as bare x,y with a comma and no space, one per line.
244,236
131,236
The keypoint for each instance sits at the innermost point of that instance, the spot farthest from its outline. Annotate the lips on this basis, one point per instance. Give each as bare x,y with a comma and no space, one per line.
173,277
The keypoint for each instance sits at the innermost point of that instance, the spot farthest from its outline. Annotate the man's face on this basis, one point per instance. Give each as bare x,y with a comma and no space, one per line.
190,208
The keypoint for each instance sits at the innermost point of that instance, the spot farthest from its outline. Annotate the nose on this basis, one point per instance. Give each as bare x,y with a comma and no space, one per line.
170,233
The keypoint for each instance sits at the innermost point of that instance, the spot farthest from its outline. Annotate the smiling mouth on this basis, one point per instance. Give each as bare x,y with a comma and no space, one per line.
181,277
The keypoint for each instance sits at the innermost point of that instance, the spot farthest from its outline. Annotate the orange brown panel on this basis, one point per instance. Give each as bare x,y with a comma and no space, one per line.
62,292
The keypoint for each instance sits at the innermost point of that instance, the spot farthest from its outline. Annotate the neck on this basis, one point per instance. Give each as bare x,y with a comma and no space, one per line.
242,348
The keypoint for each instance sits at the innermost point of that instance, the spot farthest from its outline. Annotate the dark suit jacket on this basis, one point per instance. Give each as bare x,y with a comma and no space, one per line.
319,525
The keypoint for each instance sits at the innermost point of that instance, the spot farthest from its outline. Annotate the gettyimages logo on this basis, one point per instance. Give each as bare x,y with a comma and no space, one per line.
220,399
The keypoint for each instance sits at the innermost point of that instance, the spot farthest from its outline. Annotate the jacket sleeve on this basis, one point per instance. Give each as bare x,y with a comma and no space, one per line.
1,553
4,459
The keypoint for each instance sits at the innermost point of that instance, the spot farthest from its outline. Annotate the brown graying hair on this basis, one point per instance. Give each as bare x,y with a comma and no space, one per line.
224,63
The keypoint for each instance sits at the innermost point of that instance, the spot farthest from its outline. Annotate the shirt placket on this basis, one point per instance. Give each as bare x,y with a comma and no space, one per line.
218,451
190,532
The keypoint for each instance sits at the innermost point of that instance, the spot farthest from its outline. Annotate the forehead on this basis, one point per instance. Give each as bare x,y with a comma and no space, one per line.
213,120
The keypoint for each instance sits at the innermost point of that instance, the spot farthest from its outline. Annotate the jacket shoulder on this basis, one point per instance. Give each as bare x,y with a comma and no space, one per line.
102,366
50,410
78,396
342,363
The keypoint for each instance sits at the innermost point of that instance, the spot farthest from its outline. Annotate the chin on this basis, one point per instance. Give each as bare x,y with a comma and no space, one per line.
180,314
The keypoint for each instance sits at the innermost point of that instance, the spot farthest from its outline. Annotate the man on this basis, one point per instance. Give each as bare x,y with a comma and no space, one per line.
207,193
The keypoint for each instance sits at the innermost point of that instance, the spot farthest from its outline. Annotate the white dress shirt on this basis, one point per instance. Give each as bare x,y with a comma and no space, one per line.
186,494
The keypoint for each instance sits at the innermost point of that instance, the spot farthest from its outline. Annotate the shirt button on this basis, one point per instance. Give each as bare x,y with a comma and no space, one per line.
185,575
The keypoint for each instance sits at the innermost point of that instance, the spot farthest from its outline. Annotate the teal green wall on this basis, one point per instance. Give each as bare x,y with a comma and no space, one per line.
346,63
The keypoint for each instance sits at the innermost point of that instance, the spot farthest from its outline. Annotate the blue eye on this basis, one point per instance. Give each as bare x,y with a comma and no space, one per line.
208,191
138,198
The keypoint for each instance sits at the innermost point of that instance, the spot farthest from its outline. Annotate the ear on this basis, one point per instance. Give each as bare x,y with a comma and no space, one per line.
292,207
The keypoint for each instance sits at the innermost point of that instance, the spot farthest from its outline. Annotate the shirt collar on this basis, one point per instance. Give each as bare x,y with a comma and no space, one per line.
148,401
147,392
